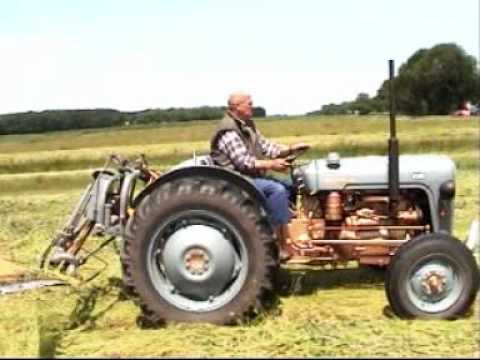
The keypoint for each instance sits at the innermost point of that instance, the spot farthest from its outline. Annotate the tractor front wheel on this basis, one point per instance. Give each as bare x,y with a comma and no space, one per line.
432,276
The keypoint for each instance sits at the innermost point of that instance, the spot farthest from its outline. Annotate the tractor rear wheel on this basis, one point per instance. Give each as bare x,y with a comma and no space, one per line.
199,250
432,276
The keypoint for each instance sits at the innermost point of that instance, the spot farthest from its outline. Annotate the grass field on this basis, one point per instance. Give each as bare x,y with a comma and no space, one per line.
321,312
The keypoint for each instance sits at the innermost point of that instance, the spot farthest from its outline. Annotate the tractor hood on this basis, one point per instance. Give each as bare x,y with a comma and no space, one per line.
365,171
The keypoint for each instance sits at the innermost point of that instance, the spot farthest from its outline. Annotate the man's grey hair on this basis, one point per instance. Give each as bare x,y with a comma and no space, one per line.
237,97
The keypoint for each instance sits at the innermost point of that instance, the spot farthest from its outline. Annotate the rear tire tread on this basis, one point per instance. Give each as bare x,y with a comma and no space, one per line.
203,187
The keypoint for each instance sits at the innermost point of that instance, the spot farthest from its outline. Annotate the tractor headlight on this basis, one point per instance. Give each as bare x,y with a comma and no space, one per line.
447,189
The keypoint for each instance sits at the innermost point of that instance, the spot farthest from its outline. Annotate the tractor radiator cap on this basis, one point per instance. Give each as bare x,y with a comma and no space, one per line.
333,160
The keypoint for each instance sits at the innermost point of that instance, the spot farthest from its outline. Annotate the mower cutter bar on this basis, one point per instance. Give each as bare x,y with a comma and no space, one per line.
29,285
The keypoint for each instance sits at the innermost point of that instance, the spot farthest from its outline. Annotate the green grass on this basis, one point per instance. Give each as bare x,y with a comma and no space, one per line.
324,322
321,312
198,131
170,153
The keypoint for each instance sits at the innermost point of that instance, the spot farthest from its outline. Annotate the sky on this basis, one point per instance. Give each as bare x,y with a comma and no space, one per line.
292,56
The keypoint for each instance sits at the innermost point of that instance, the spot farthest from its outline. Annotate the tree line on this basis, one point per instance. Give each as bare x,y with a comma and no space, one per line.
433,81
54,120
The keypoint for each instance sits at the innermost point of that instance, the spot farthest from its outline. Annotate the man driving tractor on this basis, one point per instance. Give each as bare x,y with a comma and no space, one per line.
238,145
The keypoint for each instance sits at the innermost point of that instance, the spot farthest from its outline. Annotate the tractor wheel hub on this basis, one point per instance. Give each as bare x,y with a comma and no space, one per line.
197,261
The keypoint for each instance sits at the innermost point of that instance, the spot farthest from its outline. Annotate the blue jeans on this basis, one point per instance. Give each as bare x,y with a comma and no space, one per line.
276,193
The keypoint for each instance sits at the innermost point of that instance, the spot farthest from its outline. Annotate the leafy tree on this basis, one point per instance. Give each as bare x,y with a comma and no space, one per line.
258,111
434,81
362,104
362,97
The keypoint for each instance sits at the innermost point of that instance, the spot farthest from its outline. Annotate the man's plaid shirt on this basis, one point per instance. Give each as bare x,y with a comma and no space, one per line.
231,144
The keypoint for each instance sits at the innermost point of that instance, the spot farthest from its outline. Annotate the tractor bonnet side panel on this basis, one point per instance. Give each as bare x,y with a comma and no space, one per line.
425,172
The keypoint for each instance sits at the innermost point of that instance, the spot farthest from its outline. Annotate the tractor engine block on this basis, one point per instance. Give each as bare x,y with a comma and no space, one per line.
337,226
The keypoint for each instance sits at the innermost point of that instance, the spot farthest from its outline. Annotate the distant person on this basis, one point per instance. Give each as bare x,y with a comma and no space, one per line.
238,145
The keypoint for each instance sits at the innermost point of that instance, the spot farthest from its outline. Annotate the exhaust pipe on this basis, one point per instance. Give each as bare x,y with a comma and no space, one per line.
393,157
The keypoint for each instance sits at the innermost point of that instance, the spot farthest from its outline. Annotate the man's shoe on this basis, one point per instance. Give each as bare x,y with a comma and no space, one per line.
282,235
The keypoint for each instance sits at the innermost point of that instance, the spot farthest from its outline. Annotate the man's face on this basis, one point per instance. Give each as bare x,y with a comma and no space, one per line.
244,108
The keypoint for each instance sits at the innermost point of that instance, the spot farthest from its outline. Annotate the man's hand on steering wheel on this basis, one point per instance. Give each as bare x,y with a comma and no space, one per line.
279,164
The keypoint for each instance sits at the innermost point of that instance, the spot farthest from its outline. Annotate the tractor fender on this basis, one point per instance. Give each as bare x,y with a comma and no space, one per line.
204,171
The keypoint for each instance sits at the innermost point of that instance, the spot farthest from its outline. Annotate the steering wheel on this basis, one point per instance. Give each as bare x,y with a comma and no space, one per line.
295,154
